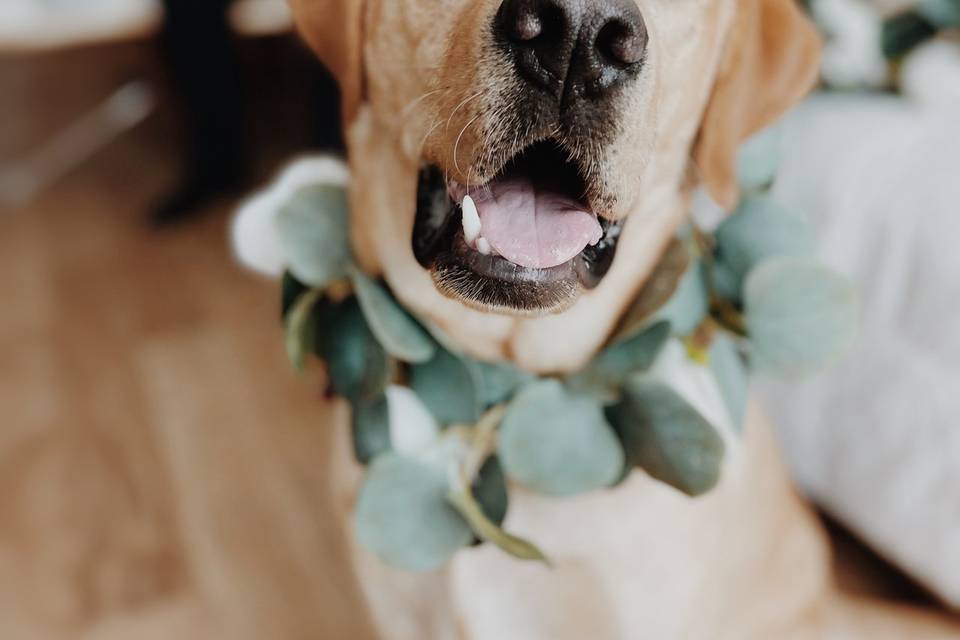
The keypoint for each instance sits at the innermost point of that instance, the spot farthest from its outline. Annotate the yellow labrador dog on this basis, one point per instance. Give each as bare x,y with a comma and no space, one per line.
580,128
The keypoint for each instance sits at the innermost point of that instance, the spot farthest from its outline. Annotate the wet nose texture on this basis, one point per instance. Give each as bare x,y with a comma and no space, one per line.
573,50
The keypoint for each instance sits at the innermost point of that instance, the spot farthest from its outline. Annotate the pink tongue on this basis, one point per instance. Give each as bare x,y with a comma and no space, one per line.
533,228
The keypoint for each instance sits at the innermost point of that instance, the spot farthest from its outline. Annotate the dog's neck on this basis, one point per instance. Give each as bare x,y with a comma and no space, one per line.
384,175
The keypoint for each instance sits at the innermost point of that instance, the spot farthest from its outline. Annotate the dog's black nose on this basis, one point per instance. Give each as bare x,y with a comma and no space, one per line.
574,48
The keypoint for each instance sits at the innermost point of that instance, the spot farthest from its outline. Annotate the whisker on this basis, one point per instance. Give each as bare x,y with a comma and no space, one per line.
461,105
456,146
430,131
407,110
450,119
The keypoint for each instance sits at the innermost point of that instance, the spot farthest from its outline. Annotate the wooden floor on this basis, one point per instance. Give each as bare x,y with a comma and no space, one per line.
139,373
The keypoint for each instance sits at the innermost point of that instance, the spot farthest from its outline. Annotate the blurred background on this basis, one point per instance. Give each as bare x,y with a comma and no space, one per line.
131,343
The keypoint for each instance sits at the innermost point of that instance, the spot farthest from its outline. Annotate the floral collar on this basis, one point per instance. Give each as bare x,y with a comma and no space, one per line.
445,437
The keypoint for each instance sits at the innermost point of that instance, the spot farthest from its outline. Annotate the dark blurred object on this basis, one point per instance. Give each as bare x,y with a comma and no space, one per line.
908,29
207,72
904,32
200,51
325,93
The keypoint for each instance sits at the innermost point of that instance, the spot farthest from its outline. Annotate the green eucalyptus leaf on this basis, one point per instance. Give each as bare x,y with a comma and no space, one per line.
558,443
496,382
490,532
301,328
759,158
490,490
291,290
358,366
944,14
457,390
903,32
607,372
726,283
446,385
690,303
397,331
403,515
660,287
730,370
312,228
759,230
371,429
801,316
666,437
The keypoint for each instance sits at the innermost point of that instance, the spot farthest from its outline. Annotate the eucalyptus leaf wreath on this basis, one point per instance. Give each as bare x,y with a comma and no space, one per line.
445,437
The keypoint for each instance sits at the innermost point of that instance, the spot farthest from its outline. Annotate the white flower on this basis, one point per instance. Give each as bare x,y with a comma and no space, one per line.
254,235
931,73
412,427
852,56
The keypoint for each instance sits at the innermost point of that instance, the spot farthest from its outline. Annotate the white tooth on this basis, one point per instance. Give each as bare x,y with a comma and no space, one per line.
471,220
483,246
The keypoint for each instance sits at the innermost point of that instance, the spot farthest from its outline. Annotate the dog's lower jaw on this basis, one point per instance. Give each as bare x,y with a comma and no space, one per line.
489,295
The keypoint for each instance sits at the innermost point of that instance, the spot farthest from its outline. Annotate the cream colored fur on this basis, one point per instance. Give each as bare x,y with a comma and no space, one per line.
641,561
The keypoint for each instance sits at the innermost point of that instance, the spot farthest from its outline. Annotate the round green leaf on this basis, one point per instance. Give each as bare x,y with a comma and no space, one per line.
403,515
358,366
558,443
726,283
690,303
903,32
399,333
666,437
301,328
457,390
730,371
801,316
658,290
446,385
312,228
490,491
488,531
759,158
945,14
759,230
496,382
371,429
291,290
604,376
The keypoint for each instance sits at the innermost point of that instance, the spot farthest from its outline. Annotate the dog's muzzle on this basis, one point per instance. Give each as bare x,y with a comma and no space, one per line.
527,241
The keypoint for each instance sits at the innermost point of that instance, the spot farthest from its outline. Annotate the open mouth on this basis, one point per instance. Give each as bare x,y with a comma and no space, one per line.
525,242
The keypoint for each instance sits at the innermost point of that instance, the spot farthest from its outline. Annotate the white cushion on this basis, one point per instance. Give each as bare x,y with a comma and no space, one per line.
877,440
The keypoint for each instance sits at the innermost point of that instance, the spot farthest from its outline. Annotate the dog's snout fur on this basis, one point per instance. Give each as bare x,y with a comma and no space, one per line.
431,84
572,51
578,73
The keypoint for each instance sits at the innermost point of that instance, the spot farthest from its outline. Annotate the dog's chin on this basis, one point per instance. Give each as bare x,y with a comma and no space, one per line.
476,274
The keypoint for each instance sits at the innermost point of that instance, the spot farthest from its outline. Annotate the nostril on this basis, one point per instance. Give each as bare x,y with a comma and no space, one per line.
527,27
622,43
572,49
526,22
540,37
